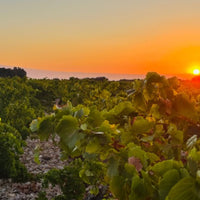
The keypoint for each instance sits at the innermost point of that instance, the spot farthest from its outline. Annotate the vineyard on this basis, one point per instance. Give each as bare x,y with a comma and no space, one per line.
124,140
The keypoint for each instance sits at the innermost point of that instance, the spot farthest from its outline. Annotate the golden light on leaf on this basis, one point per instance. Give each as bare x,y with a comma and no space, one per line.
196,71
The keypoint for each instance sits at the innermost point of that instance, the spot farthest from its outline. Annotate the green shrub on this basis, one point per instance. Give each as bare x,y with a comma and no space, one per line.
10,149
68,180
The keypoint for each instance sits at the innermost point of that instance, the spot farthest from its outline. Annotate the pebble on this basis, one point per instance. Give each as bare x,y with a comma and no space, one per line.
49,158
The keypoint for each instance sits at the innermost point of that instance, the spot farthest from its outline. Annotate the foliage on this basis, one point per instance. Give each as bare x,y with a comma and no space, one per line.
133,142
18,105
69,181
10,149
16,71
138,138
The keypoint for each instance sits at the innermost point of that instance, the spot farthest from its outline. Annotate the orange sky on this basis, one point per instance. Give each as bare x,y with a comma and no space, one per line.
114,36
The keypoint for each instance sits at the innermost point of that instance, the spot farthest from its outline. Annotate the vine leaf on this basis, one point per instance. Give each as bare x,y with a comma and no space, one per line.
162,167
183,107
140,188
187,189
141,126
169,179
68,131
112,169
34,125
46,127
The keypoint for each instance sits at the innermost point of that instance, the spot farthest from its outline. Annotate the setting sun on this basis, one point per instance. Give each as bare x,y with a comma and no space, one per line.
196,71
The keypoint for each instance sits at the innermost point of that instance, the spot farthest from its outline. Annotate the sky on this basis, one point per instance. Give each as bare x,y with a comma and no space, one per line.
107,36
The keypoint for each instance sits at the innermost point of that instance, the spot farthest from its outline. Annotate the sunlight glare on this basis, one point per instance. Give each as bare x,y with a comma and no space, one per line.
196,71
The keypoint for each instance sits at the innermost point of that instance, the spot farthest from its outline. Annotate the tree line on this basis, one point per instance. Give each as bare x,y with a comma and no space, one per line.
16,71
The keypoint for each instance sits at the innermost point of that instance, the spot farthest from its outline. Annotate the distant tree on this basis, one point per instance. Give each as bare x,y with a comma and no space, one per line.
4,72
16,71
19,72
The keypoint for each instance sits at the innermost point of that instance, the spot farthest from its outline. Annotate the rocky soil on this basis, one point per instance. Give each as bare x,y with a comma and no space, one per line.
49,156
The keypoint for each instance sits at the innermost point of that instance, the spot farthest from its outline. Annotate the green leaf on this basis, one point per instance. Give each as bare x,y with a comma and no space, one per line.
169,179
187,189
123,108
176,135
183,107
193,161
34,125
119,113
138,189
139,102
152,77
155,111
71,140
130,169
94,190
147,138
37,154
66,126
68,131
153,157
162,167
95,117
46,127
92,172
79,113
141,125
83,127
112,168
106,127
152,83
120,188
93,146
62,112
184,173
194,155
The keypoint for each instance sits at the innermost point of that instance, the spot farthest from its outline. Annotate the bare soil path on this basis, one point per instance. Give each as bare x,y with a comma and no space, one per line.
50,157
